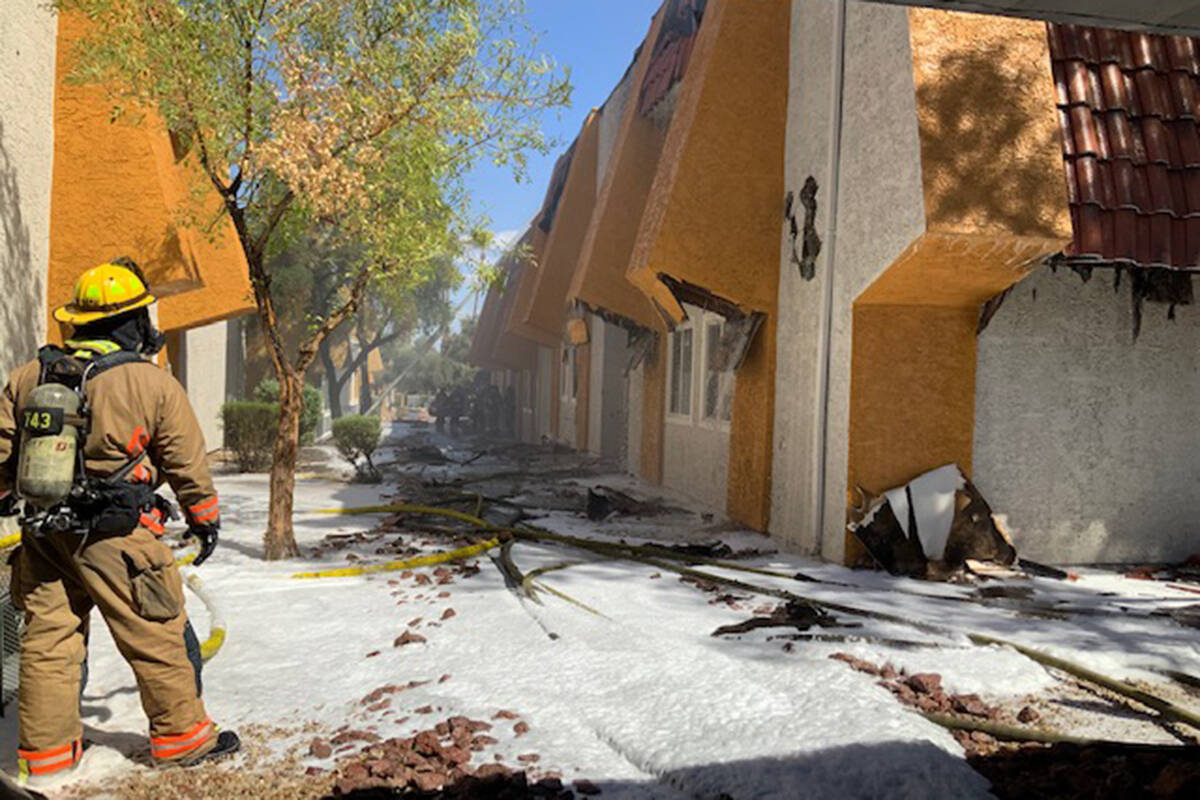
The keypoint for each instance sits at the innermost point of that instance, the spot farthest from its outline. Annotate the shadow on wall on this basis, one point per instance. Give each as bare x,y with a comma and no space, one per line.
984,141
21,312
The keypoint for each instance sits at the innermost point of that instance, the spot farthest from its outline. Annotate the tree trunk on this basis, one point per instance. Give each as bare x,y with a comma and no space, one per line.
280,539
364,392
333,386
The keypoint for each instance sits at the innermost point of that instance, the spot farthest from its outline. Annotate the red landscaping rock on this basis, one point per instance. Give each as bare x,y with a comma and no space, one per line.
482,741
423,710
408,637
1028,715
521,728
429,781
505,714
925,682
319,748
412,623
444,678
422,580
529,758
971,704
443,595
491,771
449,613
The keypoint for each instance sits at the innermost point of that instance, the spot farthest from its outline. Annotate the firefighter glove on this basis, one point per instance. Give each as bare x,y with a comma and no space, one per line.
207,536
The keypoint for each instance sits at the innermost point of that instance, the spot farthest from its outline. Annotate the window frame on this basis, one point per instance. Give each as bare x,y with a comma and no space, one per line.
681,417
726,381
698,323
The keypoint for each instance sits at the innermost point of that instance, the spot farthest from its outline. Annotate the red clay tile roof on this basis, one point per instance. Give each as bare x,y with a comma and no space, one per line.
1129,110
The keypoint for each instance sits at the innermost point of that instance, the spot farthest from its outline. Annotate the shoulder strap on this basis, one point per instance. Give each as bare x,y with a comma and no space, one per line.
107,362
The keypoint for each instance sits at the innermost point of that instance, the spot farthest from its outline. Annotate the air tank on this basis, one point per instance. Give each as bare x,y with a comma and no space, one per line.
46,469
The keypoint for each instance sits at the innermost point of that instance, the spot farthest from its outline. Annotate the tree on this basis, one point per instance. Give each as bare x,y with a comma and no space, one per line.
355,117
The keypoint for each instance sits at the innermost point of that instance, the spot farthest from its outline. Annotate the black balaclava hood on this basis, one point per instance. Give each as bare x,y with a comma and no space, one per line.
132,331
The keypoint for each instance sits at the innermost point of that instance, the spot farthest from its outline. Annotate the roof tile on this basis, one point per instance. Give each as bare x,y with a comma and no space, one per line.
1129,110
1183,55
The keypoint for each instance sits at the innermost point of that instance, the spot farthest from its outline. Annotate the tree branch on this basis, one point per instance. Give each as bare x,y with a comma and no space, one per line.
308,350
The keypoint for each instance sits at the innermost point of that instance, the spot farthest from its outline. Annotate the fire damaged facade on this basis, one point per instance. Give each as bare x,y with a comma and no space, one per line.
810,251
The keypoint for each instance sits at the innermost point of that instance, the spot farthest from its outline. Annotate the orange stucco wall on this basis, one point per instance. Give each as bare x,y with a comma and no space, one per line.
600,278
118,190
712,216
912,392
486,330
991,154
545,311
995,206
533,244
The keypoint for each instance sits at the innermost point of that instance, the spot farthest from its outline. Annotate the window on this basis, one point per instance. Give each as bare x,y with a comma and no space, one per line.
718,386
697,394
681,372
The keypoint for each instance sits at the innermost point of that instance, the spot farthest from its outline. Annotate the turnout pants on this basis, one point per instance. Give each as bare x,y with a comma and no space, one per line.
135,584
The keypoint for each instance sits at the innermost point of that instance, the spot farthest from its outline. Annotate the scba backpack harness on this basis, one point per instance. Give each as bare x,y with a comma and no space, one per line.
52,477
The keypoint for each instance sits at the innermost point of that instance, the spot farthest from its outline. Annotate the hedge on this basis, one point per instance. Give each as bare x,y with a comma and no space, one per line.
356,436
250,433
310,414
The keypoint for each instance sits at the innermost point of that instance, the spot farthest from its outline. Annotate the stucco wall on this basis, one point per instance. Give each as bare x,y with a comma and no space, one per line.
633,426
27,64
1088,441
203,375
543,430
881,210
607,409
611,117
696,462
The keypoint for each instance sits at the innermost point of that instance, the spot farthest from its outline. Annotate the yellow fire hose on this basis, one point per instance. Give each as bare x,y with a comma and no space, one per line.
394,566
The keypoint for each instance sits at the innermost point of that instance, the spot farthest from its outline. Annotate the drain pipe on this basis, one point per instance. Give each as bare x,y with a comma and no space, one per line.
826,340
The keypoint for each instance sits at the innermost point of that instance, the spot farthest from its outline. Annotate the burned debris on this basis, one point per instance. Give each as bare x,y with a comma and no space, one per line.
935,527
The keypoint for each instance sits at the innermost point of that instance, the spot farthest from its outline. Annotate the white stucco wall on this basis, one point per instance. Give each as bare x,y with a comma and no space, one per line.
545,375
696,462
203,375
566,406
27,50
1088,441
608,394
880,211
633,420
610,126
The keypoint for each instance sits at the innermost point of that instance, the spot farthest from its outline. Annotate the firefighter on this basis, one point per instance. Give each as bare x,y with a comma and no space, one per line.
92,524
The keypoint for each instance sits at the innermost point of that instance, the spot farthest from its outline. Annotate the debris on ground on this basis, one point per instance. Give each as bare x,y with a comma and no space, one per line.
600,629
604,502
933,527
791,614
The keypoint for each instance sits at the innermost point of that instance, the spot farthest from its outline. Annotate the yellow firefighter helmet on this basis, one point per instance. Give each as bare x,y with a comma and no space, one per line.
105,291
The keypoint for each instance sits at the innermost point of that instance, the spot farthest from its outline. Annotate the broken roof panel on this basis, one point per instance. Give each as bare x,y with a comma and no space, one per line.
1129,110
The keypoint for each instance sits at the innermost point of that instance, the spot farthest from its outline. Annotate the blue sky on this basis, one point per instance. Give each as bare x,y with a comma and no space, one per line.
596,40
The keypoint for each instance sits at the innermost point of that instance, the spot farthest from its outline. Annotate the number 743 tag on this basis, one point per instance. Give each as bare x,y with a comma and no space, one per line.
43,421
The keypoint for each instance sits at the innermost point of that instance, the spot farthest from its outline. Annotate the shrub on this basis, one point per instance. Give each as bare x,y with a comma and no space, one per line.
356,436
250,433
310,413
